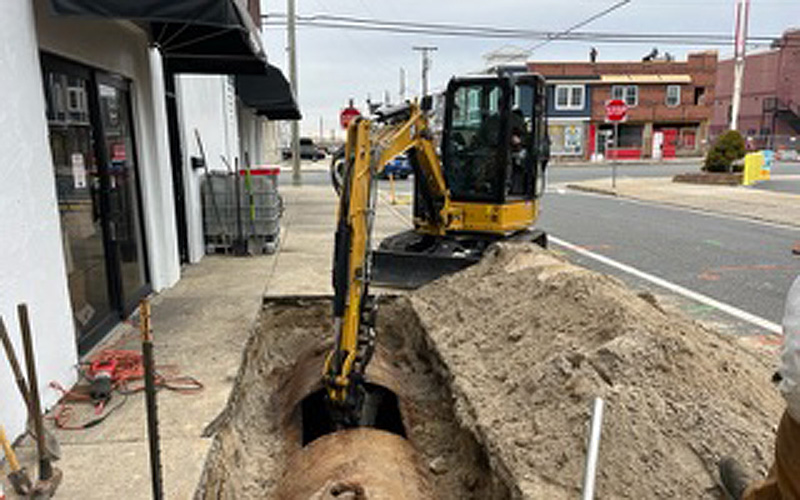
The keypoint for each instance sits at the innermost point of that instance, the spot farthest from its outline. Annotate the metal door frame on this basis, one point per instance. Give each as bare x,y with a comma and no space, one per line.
125,304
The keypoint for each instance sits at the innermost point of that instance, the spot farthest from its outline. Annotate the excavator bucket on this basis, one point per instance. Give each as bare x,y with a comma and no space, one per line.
408,270
409,260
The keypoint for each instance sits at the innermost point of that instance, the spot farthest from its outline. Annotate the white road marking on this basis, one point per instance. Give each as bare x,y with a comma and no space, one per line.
397,213
672,287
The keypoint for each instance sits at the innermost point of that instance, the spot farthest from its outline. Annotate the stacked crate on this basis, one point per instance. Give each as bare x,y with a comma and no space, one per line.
259,210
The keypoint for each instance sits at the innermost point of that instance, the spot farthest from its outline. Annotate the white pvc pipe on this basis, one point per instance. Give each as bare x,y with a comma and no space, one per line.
590,470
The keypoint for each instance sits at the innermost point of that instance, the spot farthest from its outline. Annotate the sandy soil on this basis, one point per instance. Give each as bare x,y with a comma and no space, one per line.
529,340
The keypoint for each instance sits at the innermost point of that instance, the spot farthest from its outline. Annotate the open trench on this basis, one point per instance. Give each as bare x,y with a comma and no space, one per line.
272,441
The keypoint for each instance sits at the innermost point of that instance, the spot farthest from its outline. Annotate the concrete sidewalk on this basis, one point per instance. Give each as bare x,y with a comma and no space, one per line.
748,202
200,326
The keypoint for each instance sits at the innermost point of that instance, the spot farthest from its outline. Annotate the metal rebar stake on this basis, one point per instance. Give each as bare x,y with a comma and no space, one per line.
590,471
45,467
150,398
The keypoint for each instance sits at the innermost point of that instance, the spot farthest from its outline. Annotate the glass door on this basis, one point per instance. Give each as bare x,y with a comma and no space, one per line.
78,187
124,213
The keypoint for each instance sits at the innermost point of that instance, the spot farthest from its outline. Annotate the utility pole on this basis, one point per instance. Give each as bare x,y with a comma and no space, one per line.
426,65
292,42
402,85
742,19
321,134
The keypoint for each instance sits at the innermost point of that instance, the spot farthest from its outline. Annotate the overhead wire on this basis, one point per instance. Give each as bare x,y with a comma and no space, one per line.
353,23
581,24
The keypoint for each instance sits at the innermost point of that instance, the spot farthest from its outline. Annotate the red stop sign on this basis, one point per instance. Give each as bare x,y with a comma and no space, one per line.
347,115
616,110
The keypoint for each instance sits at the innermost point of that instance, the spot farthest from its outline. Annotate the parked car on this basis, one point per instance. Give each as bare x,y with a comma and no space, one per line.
308,151
399,168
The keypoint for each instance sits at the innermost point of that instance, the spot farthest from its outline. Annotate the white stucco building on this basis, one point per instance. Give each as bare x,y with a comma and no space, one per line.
99,204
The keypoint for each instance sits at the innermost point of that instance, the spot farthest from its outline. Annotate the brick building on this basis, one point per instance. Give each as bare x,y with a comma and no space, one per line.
770,111
670,106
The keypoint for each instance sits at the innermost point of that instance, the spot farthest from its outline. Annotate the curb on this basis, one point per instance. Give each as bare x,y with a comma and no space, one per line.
610,192
592,189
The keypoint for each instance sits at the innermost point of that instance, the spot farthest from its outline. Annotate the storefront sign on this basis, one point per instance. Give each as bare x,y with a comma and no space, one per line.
78,170
573,139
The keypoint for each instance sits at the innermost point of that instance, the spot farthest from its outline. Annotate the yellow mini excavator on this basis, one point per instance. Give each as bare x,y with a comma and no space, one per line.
485,188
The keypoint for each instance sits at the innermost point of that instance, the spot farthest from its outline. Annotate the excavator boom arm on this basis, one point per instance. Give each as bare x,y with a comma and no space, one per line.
370,145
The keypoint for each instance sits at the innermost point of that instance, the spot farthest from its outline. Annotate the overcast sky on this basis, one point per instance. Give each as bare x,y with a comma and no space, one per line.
335,65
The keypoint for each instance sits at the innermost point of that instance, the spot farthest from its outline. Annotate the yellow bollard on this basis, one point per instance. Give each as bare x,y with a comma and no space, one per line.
392,195
753,162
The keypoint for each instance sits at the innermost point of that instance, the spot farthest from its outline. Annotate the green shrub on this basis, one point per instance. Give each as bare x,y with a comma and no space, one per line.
728,148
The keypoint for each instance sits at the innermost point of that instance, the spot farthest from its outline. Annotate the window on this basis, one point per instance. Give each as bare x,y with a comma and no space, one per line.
569,96
470,145
699,95
673,95
688,138
474,105
628,93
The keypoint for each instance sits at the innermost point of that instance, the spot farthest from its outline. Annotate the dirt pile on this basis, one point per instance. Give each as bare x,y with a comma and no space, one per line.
528,341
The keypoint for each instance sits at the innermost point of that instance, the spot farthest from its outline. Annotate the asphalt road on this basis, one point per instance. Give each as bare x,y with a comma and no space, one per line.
745,264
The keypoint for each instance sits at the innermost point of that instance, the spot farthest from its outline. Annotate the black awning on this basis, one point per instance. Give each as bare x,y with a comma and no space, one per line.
269,94
195,36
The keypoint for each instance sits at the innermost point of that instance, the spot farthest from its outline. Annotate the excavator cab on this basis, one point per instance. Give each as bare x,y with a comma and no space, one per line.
494,151
494,139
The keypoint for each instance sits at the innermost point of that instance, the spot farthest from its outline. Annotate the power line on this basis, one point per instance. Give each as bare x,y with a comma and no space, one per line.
326,21
581,24
610,38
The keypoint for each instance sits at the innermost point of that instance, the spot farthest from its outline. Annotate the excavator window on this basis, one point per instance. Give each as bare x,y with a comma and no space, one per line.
473,140
529,142
493,138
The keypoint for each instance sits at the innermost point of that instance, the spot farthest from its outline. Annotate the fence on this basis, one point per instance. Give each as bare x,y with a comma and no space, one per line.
255,224
786,147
